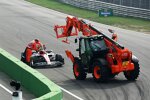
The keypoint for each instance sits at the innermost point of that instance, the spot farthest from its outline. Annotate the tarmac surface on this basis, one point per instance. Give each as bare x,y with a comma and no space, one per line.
21,22
4,82
6,90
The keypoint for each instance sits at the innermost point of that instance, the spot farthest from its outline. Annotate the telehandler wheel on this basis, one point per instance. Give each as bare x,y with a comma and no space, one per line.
111,76
133,75
78,70
100,72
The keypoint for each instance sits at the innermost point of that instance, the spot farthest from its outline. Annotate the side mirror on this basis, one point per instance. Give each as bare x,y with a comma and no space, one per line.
44,47
77,49
114,35
76,40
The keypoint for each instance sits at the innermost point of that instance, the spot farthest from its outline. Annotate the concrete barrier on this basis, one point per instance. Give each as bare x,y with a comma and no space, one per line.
31,79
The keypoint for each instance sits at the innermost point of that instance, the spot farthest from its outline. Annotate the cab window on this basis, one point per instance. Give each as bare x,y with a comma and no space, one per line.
97,44
82,46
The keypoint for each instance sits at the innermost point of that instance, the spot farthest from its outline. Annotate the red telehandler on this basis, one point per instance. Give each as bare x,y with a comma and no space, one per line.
98,54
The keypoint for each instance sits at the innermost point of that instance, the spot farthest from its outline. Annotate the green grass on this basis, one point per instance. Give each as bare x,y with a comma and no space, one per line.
123,22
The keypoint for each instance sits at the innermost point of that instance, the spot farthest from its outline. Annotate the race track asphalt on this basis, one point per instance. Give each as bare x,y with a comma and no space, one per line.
6,90
21,22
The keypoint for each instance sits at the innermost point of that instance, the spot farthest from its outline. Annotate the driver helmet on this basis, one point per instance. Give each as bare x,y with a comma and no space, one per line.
36,40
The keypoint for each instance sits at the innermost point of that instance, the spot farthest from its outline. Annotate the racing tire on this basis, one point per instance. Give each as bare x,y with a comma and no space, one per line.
78,70
100,72
133,75
59,58
23,58
32,63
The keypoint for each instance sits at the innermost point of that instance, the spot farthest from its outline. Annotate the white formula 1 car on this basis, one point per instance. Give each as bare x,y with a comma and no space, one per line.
44,59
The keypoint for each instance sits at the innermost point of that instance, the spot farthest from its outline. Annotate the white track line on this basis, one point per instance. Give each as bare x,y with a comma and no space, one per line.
70,93
59,86
6,89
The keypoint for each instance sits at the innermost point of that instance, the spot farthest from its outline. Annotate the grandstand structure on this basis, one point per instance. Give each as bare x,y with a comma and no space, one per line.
145,4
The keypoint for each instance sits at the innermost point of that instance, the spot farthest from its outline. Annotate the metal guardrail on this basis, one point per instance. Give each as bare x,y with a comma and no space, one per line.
144,4
117,9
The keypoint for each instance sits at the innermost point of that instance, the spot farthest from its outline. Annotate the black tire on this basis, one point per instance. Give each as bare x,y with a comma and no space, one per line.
59,58
31,63
100,71
133,75
112,75
78,70
23,57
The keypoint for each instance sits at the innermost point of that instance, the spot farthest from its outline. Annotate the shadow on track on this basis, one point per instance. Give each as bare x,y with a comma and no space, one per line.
48,67
89,83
